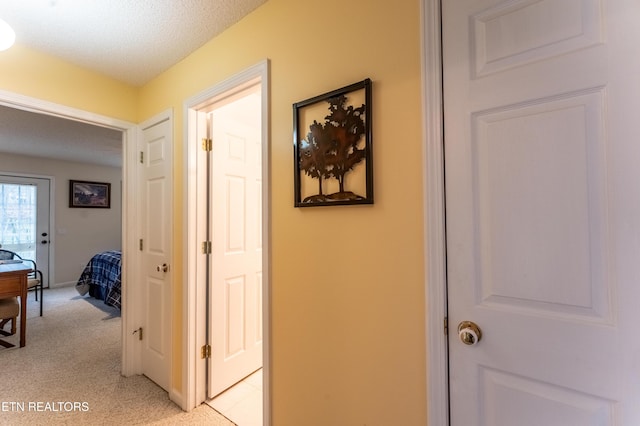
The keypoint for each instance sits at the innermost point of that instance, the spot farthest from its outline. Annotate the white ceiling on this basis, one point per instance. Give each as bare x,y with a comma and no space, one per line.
39,135
130,40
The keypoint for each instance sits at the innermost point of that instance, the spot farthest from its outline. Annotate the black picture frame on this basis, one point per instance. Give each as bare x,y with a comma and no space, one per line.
333,148
87,194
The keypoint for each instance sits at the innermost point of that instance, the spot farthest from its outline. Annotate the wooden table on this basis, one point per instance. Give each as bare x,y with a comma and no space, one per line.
13,282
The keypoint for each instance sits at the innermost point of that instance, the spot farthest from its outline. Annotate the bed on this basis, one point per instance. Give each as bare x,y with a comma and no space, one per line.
101,277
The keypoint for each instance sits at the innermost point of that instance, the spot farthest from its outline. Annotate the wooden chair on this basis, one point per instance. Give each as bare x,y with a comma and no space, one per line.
9,310
34,279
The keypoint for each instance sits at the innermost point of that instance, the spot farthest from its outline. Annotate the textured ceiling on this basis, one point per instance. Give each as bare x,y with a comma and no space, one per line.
39,135
130,40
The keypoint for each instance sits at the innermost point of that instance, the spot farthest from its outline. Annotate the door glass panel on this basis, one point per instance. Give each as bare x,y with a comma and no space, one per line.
18,219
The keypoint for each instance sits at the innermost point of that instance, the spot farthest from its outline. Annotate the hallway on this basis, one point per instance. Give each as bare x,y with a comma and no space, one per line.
242,403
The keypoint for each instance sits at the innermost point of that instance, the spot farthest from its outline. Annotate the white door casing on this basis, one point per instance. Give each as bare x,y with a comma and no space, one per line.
156,213
236,255
434,218
195,305
542,201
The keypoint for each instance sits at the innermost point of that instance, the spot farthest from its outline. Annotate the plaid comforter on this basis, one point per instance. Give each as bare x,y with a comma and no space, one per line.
101,277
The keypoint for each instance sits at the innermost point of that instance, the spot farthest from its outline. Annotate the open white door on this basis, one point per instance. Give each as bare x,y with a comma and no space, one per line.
198,370
541,102
236,237
157,205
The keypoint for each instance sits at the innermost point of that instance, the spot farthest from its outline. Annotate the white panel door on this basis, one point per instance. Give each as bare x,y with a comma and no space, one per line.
156,252
236,257
541,101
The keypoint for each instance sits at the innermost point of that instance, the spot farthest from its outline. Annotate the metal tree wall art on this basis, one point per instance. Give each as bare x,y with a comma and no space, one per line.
333,158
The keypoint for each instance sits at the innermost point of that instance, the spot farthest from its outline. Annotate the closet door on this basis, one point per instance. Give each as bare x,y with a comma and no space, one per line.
541,102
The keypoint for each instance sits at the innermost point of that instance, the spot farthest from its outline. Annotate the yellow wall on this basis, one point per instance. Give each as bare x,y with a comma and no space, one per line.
45,77
348,308
347,282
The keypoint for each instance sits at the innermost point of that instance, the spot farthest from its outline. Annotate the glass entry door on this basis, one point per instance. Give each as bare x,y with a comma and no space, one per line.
24,219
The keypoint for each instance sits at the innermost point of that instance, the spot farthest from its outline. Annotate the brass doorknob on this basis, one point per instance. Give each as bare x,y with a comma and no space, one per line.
469,333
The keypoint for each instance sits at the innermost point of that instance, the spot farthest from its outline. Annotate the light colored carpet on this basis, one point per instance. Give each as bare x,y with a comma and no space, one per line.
69,372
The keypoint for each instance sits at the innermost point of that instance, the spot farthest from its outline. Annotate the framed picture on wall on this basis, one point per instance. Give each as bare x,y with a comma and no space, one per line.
333,160
87,194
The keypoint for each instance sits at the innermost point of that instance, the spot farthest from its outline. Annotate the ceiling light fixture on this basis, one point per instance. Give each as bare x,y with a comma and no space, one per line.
7,36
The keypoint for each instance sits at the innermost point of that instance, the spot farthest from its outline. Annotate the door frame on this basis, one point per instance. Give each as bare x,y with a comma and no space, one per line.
130,365
434,215
194,315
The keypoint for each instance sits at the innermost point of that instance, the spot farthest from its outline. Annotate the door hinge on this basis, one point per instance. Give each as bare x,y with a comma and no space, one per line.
141,157
205,351
206,247
446,326
139,331
141,244
207,144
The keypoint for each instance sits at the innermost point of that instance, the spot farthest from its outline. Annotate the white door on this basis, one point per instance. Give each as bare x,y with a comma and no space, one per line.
24,219
542,149
236,255
156,200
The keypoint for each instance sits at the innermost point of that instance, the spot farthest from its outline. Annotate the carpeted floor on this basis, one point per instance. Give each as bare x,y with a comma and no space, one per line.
69,372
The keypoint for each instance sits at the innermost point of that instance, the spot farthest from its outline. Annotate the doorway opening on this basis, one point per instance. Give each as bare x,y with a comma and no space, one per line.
130,365
227,296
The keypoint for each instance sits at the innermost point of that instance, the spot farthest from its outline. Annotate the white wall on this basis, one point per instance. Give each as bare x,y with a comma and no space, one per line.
77,233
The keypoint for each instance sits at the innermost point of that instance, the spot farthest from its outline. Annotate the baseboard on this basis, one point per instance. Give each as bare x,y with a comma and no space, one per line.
177,397
65,284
